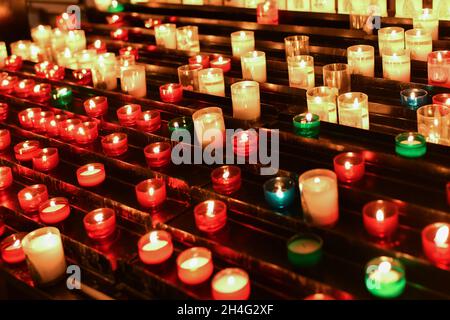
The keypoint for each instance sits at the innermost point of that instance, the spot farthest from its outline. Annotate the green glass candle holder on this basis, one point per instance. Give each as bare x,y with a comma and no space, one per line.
62,97
116,7
410,145
181,123
307,125
304,250
385,277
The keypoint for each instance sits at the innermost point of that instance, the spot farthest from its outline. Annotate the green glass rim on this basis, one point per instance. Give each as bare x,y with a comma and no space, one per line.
298,118
184,123
310,236
405,135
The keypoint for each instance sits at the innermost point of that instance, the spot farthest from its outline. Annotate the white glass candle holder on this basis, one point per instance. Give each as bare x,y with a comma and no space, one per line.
301,72
296,46
407,8
21,48
397,65
242,42
353,110
337,75
211,81
322,101
439,68
253,65
58,40
41,35
361,59
209,124
246,100
188,76
419,43
392,38
133,80
187,39
66,58
298,5
104,77
166,35
433,122
86,59
76,40
427,20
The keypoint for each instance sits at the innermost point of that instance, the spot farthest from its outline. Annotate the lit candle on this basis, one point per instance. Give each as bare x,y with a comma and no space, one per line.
397,65
52,127
115,20
62,97
128,114
428,21
380,218
100,224
267,12
45,255
279,192
68,129
246,100
296,45
209,126
414,98
155,247
91,175
439,68
166,35
304,250
149,121
28,117
420,43
42,68
231,284
46,159
99,46
337,75
133,80
410,145
115,144
41,92
24,88
119,34
76,40
130,52
392,38
54,210
86,58
436,244
442,99
361,59
319,194
307,125
171,92
432,123
226,179
66,59
385,277
6,178
21,49
188,76
349,166
57,41
151,193
11,248
210,216
242,42
4,108
158,154
26,150
353,109
41,122
115,6
322,101
221,63
211,81
96,107
83,77
56,73
30,198
5,139
181,123
245,143
7,84
13,63
187,39
200,59
253,65
86,132
301,72
195,265
104,75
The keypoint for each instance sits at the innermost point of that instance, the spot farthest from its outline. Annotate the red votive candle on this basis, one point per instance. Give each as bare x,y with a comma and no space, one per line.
149,121
83,77
26,150
46,159
171,92
151,193
96,107
442,99
129,51
119,34
27,117
7,84
2,227
13,63
68,128
226,179
319,296
5,139
200,59
4,109
128,114
115,19
100,224
195,265
42,68
54,210
380,218
245,143
99,46
158,154
52,127
115,144
56,73
30,198
42,121
155,247
23,88
41,92
86,132
210,216
436,244
221,63
11,248
6,177
349,166
91,175
231,284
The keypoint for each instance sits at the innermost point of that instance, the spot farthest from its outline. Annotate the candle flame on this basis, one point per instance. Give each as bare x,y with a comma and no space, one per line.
153,237
379,215
37,88
302,64
92,104
53,123
279,191
439,57
410,139
198,58
356,103
129,110
41,27
309,117
316,180
317,99
44,158
115,18
22,85
220,59
17,244
52,203
67,53
5,82
244,137
99,217
348,165
151,191
97,44
359,49
447,102
412,95
81,131
114,3
65,16
384,267
418,32
30,114
90,168
441,237
116,139
210,208
157,149
231,280
226,174
28,196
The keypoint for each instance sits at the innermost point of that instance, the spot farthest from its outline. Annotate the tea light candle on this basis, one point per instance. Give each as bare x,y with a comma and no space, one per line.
155,247
397,65
392,38
100,224
187,39
226,179
432,123
253,65
149,121
26,150
322,101
86,132
420,43
171,92
245,143
4,108
221,63
385,277
211,81
52,127
337,75
200,59
267,12
319,194
41,92
46,159
361,59
54,210
91,175
443,99
439,68
279,192
30,198
41,122
210,216
99,46
68,129
304,250
380,218
5,139
301,72
166,35
115,144
13,63
41,69
7,84
11,248
104,76
296,45
410,145
119,34
307,125
353,108
231,284
62,97
414,98
28,117
6,178
83,77
24,88
151,193
56,73
349,166
181,123
128,114
96,107
242,42
195,265
158,154
429,21
436,244
246,100
209,125
133,80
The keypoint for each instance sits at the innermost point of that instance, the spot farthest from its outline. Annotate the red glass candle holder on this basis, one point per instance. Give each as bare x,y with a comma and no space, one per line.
4,109
68,128
245,143
30,198
100,224
231,284
195,265
115,144
54,210
155,247
11,248
129,51
158,154
171,92
442,99
380,218
7,84
52,127
27,117
115,19
6,177
5,139
91,175
151,193
96,107
119,34
13,63
46,159
436,244
210,216
99,46
41,92
149,121
319,296
349,166
221,63
226,179
200,59
26,150
86,132
83,77
56,72
43,121
24,88
128,114
42,68
448,193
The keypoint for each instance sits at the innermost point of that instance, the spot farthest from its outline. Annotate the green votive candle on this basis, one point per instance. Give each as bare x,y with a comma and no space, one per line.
181,123
115,7
61,97
304,250
307,125
385,277
410,145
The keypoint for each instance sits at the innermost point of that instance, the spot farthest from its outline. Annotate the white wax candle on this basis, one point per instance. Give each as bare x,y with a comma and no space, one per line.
133,80
429,21
304,246
246,100
155,245
230,283
325,110
41,35
91,171
209,121
397,65
242,42
53,208
187,39
301,72
361,60
211,81
254,66
76,40
391,38
420,43
166,35
194,263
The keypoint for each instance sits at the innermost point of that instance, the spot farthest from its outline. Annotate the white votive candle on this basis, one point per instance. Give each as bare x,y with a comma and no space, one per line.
254,66
353,109
211,81
208,124
322,101
301,71
166,35
361,59
133,80
419,42
392,38
397,65
246,100
242,42
428,20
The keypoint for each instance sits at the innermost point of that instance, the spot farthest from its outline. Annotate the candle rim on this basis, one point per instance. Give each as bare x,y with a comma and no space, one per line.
429,232
343,157
108,214
405,135
109,139
230,272
34,144
420,93
96,165
305,236
26,241
389,208
11,239
194,252
233,170
164,145
162,235
288,184
56,200
396,265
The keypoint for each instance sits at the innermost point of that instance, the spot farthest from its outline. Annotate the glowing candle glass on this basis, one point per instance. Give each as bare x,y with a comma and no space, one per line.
100,224
246,100
442,99
414,98
188,76
353,109
436,244
304,250
86,132
54,210
13,63
11,248
209,126
68,129
210,216
221,63
181,123
26,150
385,277
151,193
420,43
337,75
231,284
187,39
253,65
128,114
115,144
296,46
4,108
380,218
211,81
133,80
166,35
96,107
226,179
171,92
349,166
41,92
200,59
245,143
410,145
5,139
392,38
6,177
306,125
397,65
30,198
155,247
361,59
242,42
439,68
46,159
279,192
195,265
267,12
149,121
301,71
158,154
62,97
91,175
428,20
322,101
433,122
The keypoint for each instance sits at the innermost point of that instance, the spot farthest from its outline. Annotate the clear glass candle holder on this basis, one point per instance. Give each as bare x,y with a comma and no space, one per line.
361,59
181,123
392,38
188,76
301,72
414,98
385,277
279,192
419,43
353,109
267,12
322,101
166,35
209,126
253,65
211,81
427,19
133,80
439,68
397,65
296,45
242,42
187,39
410,145
433,122
246,100
337,75
442,99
